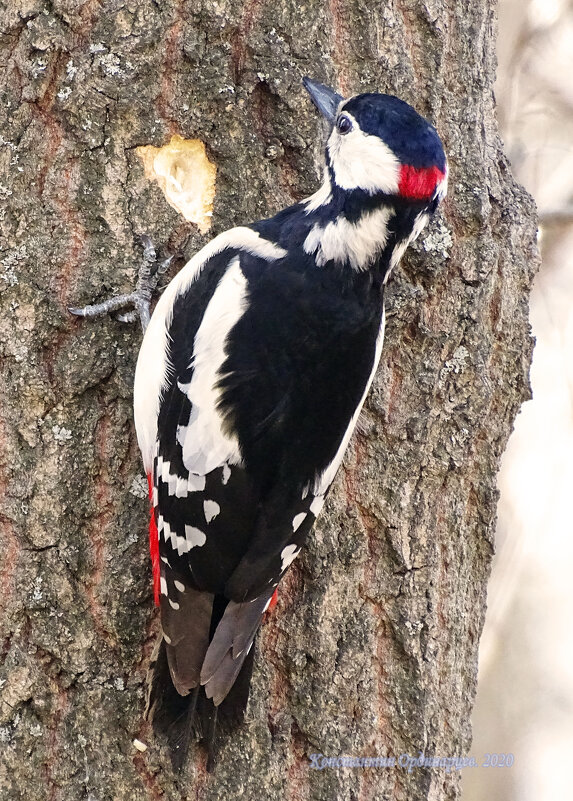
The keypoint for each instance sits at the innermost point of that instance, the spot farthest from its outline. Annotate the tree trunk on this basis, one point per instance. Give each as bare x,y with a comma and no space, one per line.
372,649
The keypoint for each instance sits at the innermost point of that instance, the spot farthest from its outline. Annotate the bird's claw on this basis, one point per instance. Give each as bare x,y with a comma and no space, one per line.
150,272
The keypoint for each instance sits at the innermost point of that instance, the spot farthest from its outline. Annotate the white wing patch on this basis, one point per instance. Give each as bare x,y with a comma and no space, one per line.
205,444
152,364
194,537
211,510
288,555
176,485
298,520
316,505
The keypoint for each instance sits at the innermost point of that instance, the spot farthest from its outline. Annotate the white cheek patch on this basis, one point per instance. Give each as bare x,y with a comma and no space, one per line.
361,161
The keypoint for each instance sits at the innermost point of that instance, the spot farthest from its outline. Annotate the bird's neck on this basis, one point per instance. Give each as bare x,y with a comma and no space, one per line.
359,230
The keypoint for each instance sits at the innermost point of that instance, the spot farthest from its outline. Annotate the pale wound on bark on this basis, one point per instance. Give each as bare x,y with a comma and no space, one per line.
185,175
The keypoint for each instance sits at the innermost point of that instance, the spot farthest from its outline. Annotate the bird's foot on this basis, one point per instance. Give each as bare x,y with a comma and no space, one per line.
150,272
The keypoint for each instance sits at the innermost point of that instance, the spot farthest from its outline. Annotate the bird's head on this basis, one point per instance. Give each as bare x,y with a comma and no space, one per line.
381,145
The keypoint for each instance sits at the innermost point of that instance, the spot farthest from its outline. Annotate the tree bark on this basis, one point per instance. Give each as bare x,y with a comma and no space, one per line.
372,650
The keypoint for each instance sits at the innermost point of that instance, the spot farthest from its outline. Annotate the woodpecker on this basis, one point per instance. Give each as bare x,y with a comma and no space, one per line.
250,379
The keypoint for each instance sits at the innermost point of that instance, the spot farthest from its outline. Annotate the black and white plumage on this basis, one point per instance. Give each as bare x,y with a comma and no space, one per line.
249,383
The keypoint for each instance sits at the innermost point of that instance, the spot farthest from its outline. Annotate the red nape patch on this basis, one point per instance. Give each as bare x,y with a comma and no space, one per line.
419,183
153,542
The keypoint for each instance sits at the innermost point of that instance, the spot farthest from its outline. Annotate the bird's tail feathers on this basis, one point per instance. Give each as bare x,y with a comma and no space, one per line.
178,718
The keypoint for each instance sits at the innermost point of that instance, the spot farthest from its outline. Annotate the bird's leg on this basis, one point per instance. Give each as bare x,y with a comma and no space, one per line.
150,272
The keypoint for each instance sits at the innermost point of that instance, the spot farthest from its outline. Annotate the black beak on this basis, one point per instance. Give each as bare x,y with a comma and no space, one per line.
325,99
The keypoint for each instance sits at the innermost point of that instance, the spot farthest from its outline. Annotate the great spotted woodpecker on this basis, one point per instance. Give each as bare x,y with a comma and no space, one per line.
250,379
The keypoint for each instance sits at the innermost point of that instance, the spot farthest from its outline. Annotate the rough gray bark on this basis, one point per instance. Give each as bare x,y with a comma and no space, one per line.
373,647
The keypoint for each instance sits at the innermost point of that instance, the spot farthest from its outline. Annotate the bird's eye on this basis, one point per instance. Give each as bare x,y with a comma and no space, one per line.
343,125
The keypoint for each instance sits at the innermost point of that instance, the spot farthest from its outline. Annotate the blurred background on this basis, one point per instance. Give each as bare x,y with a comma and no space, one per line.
525,690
